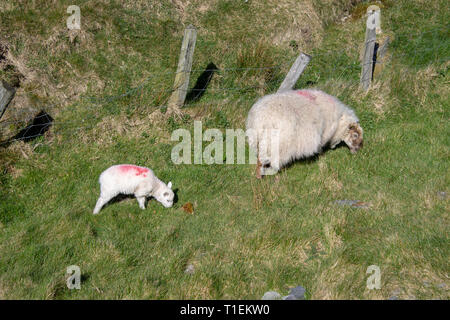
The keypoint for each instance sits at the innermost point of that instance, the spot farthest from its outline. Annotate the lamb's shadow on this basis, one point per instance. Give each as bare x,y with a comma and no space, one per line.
175,193
125,197
202,83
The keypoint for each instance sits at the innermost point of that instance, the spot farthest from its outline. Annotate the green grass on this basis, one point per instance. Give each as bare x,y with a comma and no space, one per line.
246,236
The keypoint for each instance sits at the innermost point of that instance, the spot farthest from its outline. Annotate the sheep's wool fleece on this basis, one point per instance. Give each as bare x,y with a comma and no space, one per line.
307,120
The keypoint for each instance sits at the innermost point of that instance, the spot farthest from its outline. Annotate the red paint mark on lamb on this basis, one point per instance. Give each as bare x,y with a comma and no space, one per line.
306,94
125,168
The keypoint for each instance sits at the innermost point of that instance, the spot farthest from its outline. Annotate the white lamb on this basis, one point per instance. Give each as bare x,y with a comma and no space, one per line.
131,179
304,121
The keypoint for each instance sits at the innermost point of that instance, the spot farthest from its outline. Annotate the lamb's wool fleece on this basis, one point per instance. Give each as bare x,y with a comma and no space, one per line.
131,179
307,120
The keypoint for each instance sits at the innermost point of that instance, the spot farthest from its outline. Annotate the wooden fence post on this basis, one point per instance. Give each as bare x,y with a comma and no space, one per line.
294,73
6,95
181,83
369,47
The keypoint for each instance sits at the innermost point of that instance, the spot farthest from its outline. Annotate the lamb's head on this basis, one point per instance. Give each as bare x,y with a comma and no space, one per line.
354,137
165,195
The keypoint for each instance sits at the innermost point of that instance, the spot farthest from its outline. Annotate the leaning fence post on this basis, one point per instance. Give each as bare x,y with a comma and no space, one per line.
369,47
181,83
294,73
6,95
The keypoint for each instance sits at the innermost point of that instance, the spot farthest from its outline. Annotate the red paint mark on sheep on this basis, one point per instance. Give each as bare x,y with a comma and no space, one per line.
306,94
138,170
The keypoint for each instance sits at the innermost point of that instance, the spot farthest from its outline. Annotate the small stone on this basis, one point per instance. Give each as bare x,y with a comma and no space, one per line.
442,195
353,203
394,298
298,292
271,295
289,297
426,283
442,285
396,292
189,269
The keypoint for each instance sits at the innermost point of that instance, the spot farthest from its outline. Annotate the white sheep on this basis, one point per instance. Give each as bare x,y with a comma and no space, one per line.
301,122
131,179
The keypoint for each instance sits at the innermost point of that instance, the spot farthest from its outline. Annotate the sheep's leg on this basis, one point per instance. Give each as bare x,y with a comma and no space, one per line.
141,201
258,169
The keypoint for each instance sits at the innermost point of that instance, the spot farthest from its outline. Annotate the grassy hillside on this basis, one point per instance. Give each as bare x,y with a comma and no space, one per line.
246,236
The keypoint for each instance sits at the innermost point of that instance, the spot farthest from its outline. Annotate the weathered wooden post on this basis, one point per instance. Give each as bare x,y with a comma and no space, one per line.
181,83
369,47
6,95
294,73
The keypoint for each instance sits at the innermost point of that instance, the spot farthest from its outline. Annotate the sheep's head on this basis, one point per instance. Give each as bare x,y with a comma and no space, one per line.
165,195
354,137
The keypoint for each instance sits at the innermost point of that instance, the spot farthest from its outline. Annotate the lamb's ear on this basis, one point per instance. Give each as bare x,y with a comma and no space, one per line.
169,185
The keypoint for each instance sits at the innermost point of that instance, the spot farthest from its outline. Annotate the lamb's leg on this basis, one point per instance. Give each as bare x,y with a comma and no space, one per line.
104,198
100,203
141,201
141,193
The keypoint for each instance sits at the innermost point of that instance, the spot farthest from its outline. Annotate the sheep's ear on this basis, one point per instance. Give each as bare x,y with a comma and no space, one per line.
169,185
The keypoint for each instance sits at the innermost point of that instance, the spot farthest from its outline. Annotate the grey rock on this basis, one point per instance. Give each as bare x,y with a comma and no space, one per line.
396,292
353,203
190,269
427,283
298,292
289,297
442,194
271,295
441,285
394,298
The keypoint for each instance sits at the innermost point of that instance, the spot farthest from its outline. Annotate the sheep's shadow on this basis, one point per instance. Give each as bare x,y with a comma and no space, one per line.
314,158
